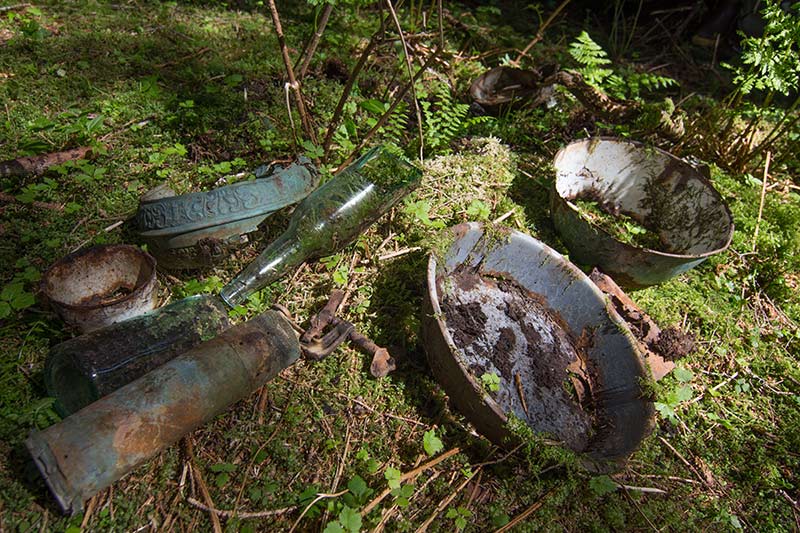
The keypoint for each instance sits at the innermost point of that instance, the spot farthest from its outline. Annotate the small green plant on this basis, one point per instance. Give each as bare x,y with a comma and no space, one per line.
348,521
490,381
602,485
223,473
769,61
445,119
460,516
674,396
431,442
15,296
478,210
420,210
211,284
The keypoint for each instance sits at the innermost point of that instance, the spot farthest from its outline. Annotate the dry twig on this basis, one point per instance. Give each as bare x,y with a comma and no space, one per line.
293,84
526,513
308,53
411,77
761,202
540,32
410,475
239,514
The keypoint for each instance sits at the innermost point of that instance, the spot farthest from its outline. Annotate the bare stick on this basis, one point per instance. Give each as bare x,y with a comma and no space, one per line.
761,203
197,475
411,77
293,83
337,113
526,513
239,514
442,505
320,496
23,166
540,32
308,53
385,117
441,24
10,199
521,393
410,475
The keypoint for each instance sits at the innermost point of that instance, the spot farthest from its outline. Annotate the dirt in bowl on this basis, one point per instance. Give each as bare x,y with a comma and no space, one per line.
113,295
501,328
619,225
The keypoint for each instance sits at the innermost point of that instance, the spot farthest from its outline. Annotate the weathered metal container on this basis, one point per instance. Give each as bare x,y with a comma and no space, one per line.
81,370
88,451
655,188
569,314
101,285
502,87
196,230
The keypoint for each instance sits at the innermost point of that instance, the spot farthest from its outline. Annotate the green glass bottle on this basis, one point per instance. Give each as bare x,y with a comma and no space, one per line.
81,370
329,218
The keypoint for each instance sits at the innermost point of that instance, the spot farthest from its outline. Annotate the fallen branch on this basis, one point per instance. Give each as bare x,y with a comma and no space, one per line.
610,109
337,113
239,514
9,199
526,513
540,32
23,166
293,83
408,476
761,202
388,113
444,503
411,77
320,496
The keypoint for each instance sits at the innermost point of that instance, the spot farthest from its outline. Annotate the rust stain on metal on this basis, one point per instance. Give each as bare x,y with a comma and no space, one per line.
101,285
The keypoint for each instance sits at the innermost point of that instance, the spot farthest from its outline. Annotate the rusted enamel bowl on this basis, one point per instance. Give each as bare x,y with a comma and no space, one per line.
655,188
581,309
98,286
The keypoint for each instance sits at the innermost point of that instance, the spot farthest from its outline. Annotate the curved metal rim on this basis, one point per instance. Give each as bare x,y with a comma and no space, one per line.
111,247
613,316
699,176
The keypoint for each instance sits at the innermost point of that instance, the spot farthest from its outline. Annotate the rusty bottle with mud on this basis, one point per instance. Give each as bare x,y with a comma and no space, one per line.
329,218
91,449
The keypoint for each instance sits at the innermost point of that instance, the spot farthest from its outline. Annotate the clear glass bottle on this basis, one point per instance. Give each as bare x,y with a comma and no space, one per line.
329,218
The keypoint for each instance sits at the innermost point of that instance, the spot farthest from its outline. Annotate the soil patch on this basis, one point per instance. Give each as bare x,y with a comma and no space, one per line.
500,327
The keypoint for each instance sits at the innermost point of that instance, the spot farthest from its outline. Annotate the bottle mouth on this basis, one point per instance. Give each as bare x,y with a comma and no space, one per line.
232,294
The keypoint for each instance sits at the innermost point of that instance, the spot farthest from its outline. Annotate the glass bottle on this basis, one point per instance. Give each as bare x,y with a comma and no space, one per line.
86,368
329,218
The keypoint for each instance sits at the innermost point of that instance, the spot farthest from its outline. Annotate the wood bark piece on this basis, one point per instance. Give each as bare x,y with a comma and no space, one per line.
36,164
660,347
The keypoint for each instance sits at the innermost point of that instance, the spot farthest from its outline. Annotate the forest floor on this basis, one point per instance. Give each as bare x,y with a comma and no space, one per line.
186,93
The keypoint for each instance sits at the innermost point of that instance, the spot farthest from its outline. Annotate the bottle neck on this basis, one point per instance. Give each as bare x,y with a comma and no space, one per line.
283,255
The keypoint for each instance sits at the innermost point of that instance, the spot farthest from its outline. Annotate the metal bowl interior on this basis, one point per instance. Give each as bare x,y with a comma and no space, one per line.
101,285
581,307
657,189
